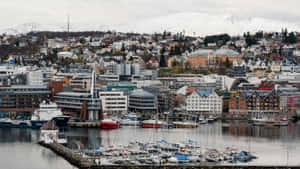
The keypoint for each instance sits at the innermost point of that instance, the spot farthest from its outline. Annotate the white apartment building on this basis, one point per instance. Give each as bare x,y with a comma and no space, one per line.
113,101
204,102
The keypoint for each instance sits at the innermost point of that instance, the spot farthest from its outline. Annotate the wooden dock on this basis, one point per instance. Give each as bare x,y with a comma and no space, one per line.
84,124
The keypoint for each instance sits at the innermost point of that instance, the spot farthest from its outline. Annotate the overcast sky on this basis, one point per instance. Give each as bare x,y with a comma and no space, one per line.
200,16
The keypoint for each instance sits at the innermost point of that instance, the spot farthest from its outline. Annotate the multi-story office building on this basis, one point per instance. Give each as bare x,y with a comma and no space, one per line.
39,77
113,101
81,83
81,105
204,102
142,101
22,98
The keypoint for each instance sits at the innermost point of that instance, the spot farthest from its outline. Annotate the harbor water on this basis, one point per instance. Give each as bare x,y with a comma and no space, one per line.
272,145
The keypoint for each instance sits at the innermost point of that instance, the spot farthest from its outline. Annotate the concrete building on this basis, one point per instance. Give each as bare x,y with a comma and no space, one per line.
113,101
142,101
22,98
204,102
211,58
38,77
81,83
81,105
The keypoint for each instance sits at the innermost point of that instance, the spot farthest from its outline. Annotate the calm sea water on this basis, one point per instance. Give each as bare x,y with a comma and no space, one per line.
273,145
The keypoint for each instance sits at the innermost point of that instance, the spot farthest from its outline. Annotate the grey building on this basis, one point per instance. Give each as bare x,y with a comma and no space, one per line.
142,101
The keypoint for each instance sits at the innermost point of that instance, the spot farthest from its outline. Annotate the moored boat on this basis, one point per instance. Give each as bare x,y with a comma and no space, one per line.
259,121
187,124
129,122
109,124
211,119
281,122
153,124
48,111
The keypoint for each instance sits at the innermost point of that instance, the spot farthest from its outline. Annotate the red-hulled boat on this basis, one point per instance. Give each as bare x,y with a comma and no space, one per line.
153,124
109,124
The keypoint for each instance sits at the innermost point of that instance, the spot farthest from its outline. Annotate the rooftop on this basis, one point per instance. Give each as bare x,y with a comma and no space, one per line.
75,94
141,93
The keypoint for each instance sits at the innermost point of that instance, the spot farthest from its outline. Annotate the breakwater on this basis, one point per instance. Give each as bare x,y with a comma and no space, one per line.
73,158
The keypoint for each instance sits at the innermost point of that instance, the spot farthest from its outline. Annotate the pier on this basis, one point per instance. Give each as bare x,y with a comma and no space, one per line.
83,163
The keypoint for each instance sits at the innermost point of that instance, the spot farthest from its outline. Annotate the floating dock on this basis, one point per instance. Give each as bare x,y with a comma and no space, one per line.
83,163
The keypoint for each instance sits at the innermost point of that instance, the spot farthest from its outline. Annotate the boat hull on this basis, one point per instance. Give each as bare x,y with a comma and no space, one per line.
152,125
36,124
61,121
109,125
182,125
5,124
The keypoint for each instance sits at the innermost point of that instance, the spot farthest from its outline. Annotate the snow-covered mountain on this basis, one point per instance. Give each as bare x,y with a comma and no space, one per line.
190,23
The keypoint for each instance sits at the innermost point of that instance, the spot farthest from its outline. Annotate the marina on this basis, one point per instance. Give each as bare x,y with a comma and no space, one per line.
274,146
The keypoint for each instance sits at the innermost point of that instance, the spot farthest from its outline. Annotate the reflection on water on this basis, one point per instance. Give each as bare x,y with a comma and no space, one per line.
18,150
273,145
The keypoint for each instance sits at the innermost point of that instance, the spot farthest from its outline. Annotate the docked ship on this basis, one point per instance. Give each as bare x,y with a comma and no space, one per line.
48,111
153,124
7,122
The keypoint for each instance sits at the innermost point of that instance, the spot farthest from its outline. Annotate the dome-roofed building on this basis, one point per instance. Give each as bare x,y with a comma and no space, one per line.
142,101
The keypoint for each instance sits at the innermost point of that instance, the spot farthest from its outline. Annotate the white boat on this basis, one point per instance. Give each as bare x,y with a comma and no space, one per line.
202,120
46,112
211,119
129,122
173,160
259,121
186,124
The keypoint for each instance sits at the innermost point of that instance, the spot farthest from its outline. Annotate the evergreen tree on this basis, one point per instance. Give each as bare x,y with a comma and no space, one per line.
291,38
123,47
227,63
162,61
